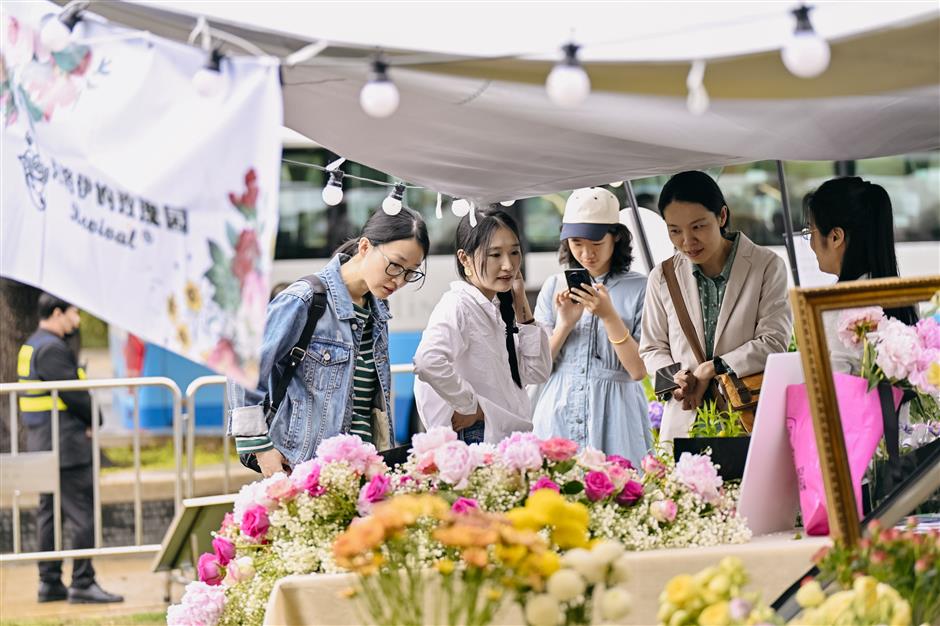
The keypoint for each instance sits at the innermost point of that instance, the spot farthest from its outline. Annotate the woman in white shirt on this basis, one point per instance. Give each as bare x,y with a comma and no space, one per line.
474,361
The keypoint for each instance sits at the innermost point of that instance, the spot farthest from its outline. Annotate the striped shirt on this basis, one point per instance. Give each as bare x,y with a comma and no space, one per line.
364,379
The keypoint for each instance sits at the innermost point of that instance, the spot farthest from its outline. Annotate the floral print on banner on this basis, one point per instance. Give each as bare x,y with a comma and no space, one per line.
232,294
45,81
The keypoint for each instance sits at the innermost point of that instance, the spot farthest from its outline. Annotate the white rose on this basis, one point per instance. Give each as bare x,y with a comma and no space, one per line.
607,550
620,571
592,568
542,610
565,584
615,603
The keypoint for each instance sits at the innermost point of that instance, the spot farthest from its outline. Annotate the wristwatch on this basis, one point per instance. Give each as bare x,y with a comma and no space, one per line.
720,366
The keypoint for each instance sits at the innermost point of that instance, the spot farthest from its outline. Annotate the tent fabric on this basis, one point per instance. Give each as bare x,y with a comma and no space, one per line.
484,128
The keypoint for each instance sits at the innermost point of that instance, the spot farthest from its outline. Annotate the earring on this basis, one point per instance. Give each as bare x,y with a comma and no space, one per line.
467,271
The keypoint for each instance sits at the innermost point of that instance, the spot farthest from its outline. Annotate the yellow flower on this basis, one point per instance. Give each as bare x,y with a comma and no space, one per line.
810,594
715,615
182,335
933,376
171,309
680,590
545,563
445,566
494,594
193,296
569,536
511,555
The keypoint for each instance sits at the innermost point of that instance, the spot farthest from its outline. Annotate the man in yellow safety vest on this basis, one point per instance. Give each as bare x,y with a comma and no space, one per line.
47,356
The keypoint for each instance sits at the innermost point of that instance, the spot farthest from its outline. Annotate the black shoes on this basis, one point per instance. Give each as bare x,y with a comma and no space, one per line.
52,592
92,594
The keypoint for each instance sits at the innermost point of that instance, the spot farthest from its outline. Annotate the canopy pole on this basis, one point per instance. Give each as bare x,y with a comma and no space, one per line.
788,224
638,225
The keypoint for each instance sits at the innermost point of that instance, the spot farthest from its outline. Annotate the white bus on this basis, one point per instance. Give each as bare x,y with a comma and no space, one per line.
309,230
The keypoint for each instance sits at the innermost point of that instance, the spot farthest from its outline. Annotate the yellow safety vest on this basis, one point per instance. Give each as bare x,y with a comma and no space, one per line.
35,401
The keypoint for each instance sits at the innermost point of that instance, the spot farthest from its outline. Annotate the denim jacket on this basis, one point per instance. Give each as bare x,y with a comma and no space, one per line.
318,403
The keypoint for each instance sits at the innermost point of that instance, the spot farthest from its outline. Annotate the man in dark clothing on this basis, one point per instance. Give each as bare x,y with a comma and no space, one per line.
47,356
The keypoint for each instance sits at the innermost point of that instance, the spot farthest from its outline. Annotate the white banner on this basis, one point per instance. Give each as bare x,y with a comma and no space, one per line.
134,197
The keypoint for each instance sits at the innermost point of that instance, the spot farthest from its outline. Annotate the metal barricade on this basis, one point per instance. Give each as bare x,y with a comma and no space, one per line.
11,460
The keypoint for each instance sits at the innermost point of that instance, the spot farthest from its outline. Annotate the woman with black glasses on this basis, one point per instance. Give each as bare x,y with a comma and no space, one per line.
343,382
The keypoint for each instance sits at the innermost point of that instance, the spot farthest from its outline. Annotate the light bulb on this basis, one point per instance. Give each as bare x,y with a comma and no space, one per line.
568,84
333,192
508,202
805,54
55,35
209,81
460,207
379,97
616,184
392,203
698,101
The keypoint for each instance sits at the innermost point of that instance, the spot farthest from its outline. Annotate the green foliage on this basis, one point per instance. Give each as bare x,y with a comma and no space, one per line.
227,292
137,619
712,422
94,331
648,389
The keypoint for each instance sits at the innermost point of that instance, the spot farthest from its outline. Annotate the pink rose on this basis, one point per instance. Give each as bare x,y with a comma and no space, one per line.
372,492
616,459
593,459
431,440
224,550
227,521
349,448
464,505
558,449
663,510
855,324
454,463
619,476
210,570
597,486
281,489
632,492
520,451
653,466
544,482
255,522
312,484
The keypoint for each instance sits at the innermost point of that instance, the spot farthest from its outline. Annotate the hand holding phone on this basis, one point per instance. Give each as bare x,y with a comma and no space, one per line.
576,278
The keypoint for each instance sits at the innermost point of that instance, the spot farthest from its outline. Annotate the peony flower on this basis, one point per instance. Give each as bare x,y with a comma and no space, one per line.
432,439
558,449
425,464
373,491
520,451
483,453
349,448
255,522
464,505
615,603
454,463
653,466
592,459
928,330
542,610
239,571
210,570
544,482
201,605
282,489
855,324
632,492
565,585
597,485
224,550
698,473
663,510
897,349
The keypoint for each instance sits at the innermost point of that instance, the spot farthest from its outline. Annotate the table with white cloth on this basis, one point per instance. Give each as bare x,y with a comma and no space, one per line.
774,562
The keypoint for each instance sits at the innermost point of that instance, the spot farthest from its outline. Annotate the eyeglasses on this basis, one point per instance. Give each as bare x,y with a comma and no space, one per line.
394,269
807,233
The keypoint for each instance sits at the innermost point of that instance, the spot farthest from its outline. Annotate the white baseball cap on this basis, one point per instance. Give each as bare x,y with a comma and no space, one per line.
589,214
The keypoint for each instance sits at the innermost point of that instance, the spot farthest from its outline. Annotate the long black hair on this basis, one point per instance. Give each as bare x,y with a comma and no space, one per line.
620,260
863,211
698,187
384,228
472,238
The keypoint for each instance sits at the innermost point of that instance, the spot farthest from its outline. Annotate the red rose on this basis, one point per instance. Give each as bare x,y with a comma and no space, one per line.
246,253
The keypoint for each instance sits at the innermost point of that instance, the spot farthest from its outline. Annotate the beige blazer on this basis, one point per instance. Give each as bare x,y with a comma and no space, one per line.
755,320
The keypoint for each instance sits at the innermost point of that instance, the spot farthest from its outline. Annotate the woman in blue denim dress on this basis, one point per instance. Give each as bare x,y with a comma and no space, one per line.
594,395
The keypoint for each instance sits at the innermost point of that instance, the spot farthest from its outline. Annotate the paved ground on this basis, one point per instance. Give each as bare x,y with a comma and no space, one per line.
129,576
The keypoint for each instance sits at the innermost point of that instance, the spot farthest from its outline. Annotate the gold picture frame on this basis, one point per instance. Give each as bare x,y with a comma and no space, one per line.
809,304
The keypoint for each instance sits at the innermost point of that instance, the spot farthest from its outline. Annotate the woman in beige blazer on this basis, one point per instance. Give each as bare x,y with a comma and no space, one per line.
734,290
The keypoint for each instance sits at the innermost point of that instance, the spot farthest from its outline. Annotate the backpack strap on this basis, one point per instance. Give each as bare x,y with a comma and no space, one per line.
678,302
299,352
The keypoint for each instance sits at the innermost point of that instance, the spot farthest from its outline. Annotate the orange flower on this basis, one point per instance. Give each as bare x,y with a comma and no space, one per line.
475,556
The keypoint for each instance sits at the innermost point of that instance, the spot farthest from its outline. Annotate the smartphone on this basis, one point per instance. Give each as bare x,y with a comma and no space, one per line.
576,278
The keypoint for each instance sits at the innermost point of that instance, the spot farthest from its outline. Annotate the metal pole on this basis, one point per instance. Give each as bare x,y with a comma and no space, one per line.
96,469
788,224
14,450
138,507
226,452
178,449
190,444
638,225
57,493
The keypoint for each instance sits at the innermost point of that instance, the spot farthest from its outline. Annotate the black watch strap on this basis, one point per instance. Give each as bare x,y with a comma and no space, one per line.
720,366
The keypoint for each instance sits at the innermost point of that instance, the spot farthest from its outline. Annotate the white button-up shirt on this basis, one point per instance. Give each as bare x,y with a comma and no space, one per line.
462,362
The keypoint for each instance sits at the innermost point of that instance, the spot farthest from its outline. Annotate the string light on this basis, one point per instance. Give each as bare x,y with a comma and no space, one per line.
568,84
392,203
379,97
209,81
805,54
333,192
697,101
56,33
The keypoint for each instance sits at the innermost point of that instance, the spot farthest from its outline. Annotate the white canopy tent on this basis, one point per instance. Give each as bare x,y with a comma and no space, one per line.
478,125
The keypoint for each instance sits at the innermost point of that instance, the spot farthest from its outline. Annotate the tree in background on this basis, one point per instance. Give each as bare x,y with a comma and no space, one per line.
18,319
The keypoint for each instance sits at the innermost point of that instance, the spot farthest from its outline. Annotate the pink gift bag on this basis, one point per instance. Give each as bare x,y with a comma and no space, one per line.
863,428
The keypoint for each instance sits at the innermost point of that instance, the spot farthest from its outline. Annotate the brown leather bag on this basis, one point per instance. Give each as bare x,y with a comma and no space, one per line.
730,391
